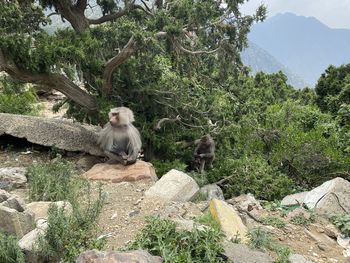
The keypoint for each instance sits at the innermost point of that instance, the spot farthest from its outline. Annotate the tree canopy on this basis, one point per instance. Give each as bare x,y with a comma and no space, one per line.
204,34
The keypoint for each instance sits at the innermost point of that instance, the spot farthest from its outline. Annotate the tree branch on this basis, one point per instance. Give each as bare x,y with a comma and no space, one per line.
198,52
116,15
55,81
81,5
161,121
116,61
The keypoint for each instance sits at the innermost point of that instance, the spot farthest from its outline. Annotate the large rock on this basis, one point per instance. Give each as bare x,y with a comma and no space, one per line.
12,177
137,256
240,253
63,134
295,258
4,195
332,197
212,191
174,186
229,220
15,222
29,242
40,209
116,173
14,202
294,199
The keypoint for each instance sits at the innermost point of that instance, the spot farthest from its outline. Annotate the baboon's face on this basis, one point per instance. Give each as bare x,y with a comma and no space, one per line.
114,119
205,140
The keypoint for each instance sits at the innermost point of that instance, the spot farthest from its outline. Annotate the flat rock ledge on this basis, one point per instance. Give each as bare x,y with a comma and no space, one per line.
116,173
63,134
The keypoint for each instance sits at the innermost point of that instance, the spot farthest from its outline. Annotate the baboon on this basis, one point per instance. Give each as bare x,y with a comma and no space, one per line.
119,139
204,153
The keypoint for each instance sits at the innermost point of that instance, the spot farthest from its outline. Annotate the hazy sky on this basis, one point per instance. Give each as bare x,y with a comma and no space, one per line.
333,13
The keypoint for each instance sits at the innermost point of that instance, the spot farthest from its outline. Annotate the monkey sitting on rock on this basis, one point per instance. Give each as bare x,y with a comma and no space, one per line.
119,139
204,153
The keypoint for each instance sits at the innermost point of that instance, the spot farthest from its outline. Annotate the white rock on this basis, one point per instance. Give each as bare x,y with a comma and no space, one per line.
213,192
15,222
332,197
295,258
294,199
13,177
174,186
40,209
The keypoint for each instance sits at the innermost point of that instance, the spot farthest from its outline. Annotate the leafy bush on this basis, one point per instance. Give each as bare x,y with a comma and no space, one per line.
70,234
162,167
53,181
252,175
161,238
273,221
14,98
10,252
343,223
260,239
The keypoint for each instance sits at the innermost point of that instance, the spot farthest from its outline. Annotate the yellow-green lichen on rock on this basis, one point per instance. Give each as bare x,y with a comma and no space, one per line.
229,220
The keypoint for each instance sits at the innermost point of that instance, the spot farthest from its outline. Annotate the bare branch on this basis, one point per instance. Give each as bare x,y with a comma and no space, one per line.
164,120
116,15
114,62
197,52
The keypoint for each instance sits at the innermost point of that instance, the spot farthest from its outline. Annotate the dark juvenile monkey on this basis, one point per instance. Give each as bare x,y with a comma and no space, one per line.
204,153
119,139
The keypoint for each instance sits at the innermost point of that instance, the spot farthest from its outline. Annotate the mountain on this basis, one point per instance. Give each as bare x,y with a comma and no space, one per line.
302,44
260,60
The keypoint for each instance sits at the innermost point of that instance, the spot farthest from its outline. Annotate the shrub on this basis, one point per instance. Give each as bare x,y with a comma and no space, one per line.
10,252
252,175
343,223
260,239
162,167
53,181
273,221
161,238
69,235
14,98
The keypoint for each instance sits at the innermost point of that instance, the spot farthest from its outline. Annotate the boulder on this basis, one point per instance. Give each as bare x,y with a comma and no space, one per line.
229,220
212,191
28,243
4,195
294,199
137,256
295,258
174,186
63,134
40,209
246,202
332,197
12,177
15,222
116,173
14,202
240,253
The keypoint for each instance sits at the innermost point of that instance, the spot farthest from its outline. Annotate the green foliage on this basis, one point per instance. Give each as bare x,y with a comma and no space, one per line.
16,99
10,252
68,235
53,181
343,223
260,239
302,220
333,88
162,167
273,221
252,175
161,238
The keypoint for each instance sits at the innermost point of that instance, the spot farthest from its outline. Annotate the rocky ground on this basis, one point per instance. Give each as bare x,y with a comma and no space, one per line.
128,204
